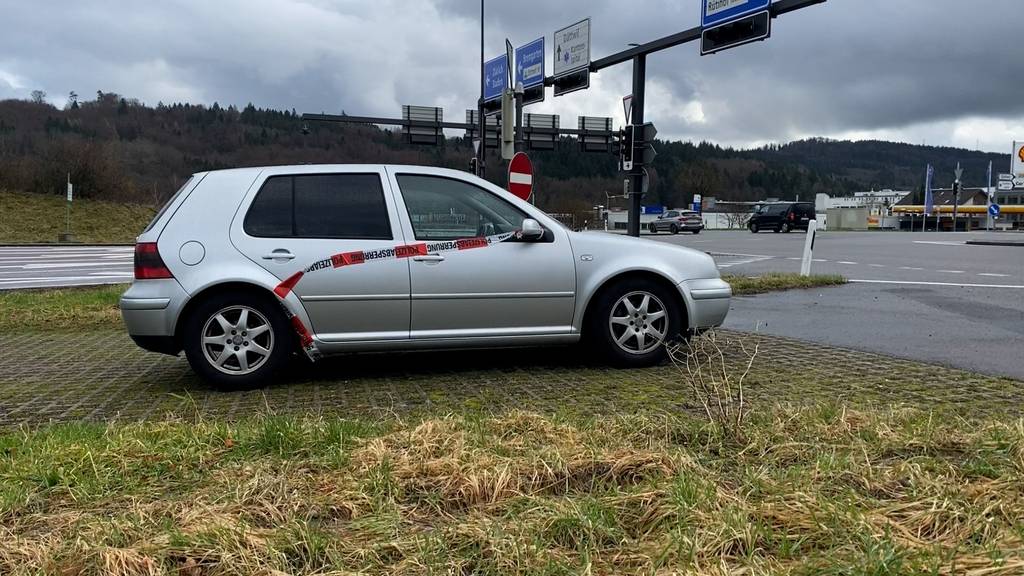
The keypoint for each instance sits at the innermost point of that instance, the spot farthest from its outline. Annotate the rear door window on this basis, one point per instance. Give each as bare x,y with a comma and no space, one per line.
336,206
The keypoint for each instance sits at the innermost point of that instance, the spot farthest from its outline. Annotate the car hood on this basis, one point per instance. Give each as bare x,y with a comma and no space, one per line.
679,262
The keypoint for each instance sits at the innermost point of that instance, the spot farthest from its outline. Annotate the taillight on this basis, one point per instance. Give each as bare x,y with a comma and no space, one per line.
148,263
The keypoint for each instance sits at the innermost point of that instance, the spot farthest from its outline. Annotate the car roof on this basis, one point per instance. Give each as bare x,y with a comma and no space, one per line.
328,168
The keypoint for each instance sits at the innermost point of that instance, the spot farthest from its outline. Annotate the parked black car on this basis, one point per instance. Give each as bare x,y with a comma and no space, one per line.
781,217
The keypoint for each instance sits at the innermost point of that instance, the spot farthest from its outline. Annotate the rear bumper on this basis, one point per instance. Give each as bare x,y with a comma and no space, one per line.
709,301
150,308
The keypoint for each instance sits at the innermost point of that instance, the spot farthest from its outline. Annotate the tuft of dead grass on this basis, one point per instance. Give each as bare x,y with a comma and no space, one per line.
805,490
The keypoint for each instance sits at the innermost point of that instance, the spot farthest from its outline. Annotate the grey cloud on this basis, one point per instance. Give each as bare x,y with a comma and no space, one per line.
901,67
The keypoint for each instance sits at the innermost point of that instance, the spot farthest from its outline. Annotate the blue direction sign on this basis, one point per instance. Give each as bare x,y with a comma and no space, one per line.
717,12
530,63
495,78
994,209
530,70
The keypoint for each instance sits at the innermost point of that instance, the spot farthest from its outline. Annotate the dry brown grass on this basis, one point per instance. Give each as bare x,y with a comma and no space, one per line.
805,491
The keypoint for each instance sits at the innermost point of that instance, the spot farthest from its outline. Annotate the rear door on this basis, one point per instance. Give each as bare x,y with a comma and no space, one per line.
337,228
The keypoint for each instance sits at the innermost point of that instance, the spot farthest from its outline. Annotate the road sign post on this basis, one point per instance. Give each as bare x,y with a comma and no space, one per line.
805,264
636,173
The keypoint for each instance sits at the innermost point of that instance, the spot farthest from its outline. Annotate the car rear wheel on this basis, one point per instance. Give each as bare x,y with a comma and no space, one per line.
653,228
632,320
674,229
237,341
786,228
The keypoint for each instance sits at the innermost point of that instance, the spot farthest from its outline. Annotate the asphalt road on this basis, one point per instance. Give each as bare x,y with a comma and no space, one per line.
886,257
976,329
55,266
927,297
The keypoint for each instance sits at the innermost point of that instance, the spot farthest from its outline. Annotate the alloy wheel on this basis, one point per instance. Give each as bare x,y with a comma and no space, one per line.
237,340
638,322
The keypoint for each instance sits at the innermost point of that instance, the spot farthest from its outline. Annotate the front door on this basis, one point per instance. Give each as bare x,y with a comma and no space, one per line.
298,222
464,286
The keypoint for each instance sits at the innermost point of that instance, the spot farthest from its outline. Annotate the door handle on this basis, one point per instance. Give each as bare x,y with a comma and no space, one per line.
429,258
279,254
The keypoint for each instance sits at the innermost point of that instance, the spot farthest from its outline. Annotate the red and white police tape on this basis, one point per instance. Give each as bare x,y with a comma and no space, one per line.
345,259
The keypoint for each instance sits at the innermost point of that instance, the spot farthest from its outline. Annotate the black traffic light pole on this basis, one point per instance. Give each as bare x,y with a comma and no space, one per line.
638,55
636,175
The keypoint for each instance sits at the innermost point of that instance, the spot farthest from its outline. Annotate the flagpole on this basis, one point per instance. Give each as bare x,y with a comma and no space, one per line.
989,193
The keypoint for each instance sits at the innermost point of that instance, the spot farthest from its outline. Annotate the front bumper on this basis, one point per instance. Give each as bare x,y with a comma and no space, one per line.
709,301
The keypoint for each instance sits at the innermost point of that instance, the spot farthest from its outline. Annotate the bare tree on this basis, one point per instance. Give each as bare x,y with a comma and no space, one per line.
38,97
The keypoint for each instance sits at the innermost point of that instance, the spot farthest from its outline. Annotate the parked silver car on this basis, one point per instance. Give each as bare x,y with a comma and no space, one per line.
244,268
676,221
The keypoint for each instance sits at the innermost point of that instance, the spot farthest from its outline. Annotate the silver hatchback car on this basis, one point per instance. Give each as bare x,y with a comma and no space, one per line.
245,268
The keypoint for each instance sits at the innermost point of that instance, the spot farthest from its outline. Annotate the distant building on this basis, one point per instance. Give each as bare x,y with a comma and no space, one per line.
877,202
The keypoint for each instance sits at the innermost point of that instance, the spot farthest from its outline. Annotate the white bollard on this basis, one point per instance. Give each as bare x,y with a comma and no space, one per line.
805,265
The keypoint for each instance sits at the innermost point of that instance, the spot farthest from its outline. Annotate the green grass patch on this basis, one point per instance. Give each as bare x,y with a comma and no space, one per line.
65,309
806,491
31,218
777,281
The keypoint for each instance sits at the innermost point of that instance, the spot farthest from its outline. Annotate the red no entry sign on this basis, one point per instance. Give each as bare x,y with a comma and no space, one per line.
520,176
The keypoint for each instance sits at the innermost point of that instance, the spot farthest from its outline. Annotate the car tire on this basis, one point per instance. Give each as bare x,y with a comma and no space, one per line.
777,229
697,231
244,360
786,228
608,322
653,229
754,228
674,229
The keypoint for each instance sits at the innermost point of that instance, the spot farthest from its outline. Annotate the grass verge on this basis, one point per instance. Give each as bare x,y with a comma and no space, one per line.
30,218
778,281
806,491
66,309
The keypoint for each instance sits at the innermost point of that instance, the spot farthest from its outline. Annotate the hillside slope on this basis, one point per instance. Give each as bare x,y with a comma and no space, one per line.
119,149
38,218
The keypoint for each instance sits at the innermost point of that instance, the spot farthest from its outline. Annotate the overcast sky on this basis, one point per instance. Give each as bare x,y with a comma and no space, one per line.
947,72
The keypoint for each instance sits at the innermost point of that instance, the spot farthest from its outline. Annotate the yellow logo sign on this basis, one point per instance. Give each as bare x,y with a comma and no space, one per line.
1020,153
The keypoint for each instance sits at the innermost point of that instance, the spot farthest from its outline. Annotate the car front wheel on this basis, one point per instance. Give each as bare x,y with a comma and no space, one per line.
653,229
237,341
754,228
674,229
632,320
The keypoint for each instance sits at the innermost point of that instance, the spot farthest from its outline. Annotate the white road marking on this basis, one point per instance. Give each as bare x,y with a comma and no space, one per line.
56,265
877,265
916,283
61,279
910,268
991,275
939,243
848,263
950,271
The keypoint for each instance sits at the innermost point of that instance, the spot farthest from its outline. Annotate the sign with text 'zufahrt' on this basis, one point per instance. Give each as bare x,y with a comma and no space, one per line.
520,176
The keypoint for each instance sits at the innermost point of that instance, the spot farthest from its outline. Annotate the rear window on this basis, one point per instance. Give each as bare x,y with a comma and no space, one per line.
168,204
340,206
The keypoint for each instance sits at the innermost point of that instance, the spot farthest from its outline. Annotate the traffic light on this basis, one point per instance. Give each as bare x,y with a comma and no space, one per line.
628,147
646,143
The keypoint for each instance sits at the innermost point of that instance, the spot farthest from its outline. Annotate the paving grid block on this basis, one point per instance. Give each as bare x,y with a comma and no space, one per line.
103,376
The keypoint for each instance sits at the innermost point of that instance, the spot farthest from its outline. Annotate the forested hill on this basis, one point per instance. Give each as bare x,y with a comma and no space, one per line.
119,149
